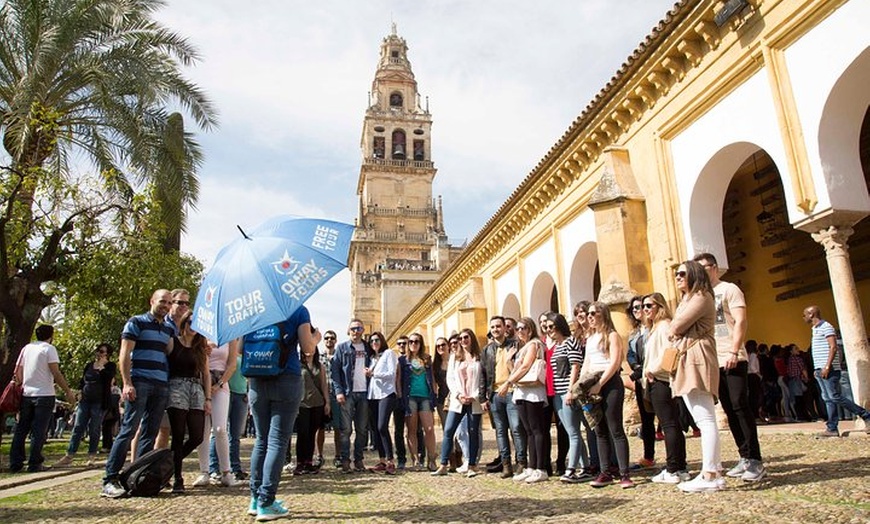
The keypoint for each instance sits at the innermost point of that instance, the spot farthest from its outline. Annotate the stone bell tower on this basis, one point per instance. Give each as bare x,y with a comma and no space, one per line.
399,248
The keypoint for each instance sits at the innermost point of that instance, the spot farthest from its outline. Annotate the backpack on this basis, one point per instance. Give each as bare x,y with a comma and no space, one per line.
265,352
148,474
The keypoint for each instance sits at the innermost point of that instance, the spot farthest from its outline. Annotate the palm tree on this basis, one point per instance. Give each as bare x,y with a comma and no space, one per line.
88,79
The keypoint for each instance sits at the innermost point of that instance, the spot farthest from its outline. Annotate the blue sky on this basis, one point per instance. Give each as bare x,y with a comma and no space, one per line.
504,78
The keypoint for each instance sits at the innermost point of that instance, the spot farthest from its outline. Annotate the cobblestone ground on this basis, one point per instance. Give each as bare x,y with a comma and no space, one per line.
809,481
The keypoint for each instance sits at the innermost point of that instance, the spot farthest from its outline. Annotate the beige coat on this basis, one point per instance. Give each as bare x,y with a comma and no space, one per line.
699,368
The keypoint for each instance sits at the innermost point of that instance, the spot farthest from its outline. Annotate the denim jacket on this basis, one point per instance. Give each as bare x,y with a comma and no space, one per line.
343,364
405,373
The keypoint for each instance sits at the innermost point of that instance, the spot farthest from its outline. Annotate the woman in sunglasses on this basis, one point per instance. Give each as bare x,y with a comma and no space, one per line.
418,388
531,401
605,353
382,395
657,318
463,375
636,357
697,376
190,398
439,370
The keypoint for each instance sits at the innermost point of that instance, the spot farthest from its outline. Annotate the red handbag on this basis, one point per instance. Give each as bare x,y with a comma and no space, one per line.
10,402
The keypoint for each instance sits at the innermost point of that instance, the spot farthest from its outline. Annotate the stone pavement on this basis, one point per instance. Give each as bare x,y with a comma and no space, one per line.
809,480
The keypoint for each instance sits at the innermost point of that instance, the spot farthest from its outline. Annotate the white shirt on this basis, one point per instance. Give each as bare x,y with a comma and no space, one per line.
595,353
34,359
383,383
359,368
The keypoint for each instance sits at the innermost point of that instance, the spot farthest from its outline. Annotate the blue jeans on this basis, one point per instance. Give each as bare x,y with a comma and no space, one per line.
354,417
833,397
462,436
570,415
34,417
89,414
274,404
450,428
506,418
148,408
235,425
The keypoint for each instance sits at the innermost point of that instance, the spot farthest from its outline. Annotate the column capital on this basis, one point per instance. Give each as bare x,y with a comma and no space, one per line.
834,239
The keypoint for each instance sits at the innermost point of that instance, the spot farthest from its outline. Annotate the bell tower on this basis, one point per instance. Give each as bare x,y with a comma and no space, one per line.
399,248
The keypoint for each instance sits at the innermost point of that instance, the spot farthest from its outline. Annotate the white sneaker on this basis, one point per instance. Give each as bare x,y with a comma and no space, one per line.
463,468
523,475
699,484
229,480
738,470
538,475
288,468
670,478
202,480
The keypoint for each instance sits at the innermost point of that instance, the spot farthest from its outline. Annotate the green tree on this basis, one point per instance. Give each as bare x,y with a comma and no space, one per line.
112,282
81,79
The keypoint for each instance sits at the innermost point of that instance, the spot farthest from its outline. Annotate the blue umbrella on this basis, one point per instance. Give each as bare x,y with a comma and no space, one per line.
263,277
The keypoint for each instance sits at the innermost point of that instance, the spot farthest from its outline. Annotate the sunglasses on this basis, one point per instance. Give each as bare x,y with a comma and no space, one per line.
441,345
181,303
593,313
415,341
680,274
402,343
375,340
328,338
358,329
649,306
636,307
464,337
546,327
454,342
521,328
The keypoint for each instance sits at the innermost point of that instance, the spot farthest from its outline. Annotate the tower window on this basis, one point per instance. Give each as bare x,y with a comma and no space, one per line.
396,99
394,54
379,148
399,146
419,150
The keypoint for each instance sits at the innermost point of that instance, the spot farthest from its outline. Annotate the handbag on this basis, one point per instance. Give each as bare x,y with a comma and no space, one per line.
536,375
10,402
671,359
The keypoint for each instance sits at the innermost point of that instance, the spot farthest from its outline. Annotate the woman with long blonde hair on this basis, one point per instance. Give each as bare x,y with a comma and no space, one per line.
657,317
418,394
605,353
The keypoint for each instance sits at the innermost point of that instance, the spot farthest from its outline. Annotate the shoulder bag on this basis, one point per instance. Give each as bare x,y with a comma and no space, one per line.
10,402
537,373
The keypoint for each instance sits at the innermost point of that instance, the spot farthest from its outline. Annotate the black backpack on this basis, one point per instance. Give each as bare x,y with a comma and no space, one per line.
148,474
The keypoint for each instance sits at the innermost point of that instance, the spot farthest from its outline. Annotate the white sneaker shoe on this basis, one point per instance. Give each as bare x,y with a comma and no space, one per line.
202,480
539,475
523,475
671,478
700,485
738,470
463,468
229,480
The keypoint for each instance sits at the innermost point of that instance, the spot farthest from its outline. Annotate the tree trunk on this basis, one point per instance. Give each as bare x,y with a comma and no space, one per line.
19,321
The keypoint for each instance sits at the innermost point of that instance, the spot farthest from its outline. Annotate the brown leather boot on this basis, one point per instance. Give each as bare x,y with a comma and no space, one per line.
507,471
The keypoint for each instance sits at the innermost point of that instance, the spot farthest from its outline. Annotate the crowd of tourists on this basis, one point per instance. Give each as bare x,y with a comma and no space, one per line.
679,364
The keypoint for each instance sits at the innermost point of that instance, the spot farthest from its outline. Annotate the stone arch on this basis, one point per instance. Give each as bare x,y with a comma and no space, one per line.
840,135
584,280
544,295
708,198
511,307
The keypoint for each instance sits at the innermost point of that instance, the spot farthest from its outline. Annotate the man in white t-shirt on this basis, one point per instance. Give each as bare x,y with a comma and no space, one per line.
349,364
730,331
37,370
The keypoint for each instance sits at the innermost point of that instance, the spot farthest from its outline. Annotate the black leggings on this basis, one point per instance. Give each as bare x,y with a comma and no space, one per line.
193,421
308,421
383,408
612,398
668,411
734,395
647,423
533,417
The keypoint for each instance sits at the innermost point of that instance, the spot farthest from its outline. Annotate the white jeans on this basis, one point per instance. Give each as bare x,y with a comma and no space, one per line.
700,404
217,422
